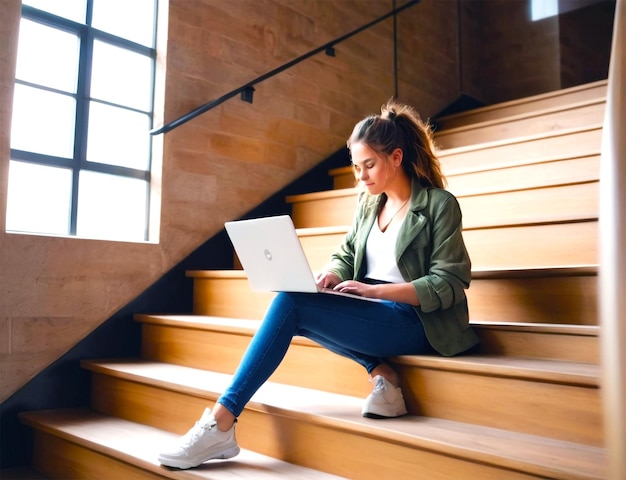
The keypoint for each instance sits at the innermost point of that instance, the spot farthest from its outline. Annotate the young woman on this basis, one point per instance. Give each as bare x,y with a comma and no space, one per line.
405,247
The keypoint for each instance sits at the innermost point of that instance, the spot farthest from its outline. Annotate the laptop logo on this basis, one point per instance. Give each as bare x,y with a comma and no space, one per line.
268,254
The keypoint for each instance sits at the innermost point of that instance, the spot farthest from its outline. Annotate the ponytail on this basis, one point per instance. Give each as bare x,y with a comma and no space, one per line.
400,126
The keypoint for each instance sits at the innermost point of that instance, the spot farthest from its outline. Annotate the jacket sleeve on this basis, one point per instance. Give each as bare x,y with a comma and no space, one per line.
449,266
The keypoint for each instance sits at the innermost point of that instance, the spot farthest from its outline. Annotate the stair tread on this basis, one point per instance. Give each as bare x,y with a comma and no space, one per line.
513,272
516,140
139,444
524,115
562,93
558,371
243,326
498,447
461,170
574,373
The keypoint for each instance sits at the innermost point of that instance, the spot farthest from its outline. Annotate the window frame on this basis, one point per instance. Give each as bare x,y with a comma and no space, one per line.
87,35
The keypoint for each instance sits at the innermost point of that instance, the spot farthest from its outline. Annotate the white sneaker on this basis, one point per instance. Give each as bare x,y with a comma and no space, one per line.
201,443
385,401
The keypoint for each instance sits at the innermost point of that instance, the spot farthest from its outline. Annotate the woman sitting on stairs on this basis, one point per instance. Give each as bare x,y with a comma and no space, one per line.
405,247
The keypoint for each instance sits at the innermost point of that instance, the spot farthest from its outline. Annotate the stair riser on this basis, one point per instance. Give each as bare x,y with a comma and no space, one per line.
570,202
437,393
526,176
222,352
212,349
529,150
338,452
510,176
325,212
564,412
60,459
533,246
221,297
589,92
561,300
579,116
495,248
344,180
571,348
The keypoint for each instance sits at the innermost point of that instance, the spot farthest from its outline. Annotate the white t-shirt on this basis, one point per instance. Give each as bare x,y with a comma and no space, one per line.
380,253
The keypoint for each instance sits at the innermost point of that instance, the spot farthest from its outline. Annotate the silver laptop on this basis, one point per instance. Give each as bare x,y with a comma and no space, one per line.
272,256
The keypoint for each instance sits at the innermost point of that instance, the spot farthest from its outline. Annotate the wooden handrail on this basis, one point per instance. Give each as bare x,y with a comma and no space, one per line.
249,87
612,273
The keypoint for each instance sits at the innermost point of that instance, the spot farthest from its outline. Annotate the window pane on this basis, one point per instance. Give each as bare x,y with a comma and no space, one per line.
43,122
38,199
72,9
111,207
541,9
132,20
121,76
47,56
118,137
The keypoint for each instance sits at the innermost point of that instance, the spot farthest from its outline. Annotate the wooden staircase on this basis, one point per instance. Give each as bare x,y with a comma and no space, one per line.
526,407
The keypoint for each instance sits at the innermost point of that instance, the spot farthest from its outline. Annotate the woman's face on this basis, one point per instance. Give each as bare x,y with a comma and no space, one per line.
374,170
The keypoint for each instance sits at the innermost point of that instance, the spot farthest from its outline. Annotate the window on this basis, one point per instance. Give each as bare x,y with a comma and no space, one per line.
540,9
82,113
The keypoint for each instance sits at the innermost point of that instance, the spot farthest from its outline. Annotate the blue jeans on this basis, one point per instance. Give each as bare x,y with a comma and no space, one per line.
366,332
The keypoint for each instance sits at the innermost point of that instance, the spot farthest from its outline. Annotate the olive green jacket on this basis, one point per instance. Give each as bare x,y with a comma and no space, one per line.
430,253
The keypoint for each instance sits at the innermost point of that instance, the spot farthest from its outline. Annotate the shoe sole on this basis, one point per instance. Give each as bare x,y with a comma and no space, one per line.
376,416
224,455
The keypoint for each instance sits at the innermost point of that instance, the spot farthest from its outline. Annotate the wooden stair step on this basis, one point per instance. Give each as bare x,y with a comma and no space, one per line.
497,153
507,174
182,340
511,246
349,444
561,295
571,115
556,203
343,177
574,343
330,208
579,93
497,245
177,338
80,443
544,172
485,208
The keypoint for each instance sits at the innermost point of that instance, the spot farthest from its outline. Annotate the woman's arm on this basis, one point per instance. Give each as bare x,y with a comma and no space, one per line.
395,292
448,266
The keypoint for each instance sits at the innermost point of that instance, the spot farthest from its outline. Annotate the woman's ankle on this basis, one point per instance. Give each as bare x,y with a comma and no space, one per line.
385,370
224,418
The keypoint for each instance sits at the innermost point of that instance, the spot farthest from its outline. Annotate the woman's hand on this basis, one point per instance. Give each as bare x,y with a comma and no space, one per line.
355,288
394,292
327,280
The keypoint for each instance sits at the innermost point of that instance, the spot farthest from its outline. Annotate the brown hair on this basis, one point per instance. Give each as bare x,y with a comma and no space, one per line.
400,126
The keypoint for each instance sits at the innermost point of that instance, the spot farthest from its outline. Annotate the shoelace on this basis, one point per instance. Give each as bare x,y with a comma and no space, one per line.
192,435
380,386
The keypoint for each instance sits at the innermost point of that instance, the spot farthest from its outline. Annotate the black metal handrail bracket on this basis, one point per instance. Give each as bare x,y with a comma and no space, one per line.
247,89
